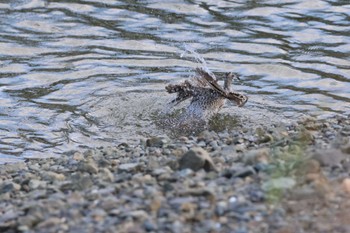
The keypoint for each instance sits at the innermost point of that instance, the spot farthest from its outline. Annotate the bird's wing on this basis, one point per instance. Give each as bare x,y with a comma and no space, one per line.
211,81
184,91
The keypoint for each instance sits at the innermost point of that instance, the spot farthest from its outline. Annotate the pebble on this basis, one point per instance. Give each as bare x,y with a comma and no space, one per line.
35,184
155,142
208,183
53,176
281,183
149,226
89,167
257,156
128,167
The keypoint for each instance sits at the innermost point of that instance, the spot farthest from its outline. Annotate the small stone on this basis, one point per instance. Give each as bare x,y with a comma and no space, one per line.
138,214
187,172
230,154
104,162
98,215
155,205
233,199
23,228
34,184
240,147
188,210
266,138
244,172
213,144
106,175
201,144
280,183
49,223
221,208
89,167
152,163
78,156
79,181
257,156
196,159
128,167
53,176
149,226
155,142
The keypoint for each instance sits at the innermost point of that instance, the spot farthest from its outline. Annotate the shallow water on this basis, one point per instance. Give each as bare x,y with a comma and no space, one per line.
77,74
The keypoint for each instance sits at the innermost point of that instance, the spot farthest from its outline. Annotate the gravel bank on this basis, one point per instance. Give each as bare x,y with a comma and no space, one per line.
286,178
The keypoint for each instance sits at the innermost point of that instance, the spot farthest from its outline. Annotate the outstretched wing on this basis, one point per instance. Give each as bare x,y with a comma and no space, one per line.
187,89
183,90
203,80
239,98
210,80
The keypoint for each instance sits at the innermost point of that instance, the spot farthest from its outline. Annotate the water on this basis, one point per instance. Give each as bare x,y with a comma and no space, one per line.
78,74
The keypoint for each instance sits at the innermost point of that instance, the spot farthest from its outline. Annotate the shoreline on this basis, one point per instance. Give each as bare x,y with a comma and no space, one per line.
250,179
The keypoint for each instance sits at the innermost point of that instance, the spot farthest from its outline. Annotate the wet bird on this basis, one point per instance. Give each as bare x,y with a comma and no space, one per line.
208,97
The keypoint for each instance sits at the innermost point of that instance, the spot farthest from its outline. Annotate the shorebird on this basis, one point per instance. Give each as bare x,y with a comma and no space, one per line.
208,97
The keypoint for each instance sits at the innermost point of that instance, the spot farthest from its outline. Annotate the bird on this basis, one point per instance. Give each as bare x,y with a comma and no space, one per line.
208,97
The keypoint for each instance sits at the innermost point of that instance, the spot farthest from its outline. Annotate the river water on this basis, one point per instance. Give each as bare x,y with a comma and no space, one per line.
78,74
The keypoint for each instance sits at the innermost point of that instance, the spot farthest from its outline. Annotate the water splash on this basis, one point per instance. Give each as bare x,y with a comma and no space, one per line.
202,63
190,51
181,121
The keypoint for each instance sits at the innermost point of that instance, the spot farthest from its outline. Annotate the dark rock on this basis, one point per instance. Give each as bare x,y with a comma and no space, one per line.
155,142
9,187
197,159
244,172
266,138
149,226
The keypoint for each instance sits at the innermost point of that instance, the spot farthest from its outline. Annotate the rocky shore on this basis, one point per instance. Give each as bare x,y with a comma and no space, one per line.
283,178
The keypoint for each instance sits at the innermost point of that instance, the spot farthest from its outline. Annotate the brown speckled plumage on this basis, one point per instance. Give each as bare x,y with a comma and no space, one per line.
208,97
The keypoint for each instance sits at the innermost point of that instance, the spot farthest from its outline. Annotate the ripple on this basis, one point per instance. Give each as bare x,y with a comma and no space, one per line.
90,73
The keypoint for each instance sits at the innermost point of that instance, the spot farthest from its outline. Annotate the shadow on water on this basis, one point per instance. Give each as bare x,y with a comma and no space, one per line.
79,74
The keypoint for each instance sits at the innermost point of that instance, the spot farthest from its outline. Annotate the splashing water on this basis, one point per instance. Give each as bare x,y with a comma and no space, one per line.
197,57
194,118
188,51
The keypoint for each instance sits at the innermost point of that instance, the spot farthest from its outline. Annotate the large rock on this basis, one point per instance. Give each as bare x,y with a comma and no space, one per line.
329,157
196,159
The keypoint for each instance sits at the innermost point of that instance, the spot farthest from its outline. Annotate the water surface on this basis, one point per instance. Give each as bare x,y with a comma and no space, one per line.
77,74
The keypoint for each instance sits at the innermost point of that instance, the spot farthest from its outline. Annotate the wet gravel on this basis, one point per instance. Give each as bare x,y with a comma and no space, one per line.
292,177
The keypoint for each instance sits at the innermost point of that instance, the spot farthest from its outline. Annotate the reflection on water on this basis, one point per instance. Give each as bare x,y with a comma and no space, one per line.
78,73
